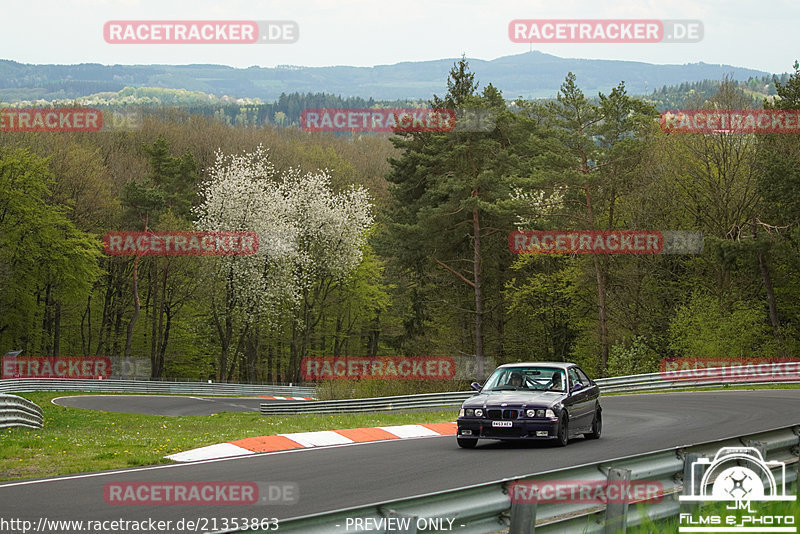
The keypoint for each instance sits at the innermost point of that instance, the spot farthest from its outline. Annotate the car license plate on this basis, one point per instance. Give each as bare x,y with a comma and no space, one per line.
502,423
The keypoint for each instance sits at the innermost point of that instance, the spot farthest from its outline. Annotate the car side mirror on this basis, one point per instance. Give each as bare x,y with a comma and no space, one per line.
476,386
576,387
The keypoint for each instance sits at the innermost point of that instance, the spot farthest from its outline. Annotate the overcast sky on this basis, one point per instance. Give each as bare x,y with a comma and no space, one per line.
755,34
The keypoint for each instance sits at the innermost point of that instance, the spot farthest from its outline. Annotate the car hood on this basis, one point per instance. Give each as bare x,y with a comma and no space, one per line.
514,398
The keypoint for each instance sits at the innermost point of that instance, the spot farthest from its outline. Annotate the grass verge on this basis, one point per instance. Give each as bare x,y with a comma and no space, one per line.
76,440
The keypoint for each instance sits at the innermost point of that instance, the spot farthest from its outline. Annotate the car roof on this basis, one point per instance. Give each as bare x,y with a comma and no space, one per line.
560,365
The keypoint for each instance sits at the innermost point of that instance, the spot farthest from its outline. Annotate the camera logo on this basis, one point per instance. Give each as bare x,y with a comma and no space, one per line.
738,474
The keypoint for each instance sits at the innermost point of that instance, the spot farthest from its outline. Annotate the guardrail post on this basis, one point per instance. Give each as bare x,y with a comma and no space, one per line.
412,524
617,512
691,484
523,516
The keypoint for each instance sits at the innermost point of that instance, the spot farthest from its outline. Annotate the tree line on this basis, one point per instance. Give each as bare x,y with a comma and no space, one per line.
397,245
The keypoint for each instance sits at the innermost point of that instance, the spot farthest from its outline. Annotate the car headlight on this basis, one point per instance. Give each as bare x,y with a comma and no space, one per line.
549,413
540,412
478,412
469,412
531,413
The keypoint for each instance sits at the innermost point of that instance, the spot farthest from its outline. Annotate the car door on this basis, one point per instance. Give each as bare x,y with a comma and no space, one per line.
594,390
582,401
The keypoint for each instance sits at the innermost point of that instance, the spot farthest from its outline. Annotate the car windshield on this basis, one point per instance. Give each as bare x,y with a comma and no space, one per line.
526,378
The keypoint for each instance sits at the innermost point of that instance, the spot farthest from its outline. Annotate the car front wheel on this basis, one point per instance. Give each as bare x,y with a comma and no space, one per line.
562,434
597,426
467,443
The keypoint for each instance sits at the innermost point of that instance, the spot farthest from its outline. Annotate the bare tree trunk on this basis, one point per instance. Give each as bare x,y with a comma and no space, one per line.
86,344
270,376
154,318
57,330
105,319
602,276
476,271
46,323
225,332
294,345
136,304
163,335
601,312
773,309
301,337
307,329
280,358
252,354
117,329
374,335
136,308
337,342
163,349
240,349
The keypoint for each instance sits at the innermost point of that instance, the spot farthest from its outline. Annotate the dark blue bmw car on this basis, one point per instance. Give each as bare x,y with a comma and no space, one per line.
544,400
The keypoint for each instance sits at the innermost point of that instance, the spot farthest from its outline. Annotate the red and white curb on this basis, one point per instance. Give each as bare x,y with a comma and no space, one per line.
302,440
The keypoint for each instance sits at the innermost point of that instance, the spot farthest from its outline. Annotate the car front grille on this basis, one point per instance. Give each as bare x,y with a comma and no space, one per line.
490,432
502,414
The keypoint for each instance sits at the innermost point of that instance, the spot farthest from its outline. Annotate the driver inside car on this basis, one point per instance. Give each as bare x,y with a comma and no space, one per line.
516,379
557,382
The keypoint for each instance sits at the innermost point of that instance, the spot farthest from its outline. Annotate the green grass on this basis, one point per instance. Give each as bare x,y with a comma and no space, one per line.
76,440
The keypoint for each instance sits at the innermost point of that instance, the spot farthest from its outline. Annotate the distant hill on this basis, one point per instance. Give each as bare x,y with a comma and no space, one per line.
530,75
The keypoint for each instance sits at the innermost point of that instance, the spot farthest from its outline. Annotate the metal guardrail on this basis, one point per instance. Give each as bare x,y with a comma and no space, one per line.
633,383
487,508
716,377
424,400
146,386
16,411
620,384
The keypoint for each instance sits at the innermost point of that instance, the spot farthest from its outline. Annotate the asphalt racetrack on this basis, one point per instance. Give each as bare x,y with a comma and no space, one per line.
338,477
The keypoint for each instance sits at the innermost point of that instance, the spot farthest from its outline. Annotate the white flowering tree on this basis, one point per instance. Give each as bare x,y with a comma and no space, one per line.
331,232
310,239
536,205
